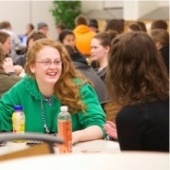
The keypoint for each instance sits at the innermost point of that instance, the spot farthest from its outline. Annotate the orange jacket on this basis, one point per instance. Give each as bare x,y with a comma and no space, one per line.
83,36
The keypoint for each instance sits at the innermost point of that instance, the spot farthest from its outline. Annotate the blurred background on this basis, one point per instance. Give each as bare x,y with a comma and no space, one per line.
20,13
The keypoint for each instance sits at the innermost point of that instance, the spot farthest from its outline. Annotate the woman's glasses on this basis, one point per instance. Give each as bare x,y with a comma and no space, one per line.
49,63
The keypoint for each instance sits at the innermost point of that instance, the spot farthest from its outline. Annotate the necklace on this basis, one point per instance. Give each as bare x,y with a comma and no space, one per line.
49,101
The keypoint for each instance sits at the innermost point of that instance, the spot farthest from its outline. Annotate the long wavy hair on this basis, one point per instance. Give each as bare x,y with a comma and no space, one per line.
66,89
136,71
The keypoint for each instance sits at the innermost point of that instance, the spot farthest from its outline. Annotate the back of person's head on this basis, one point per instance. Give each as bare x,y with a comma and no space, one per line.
115,25
36,35
136,71
142,25
64,33
159,24
81,20
5,25
93,23
3,37
31,26
134,27
161,36
2,55
106,38
61,26
41,25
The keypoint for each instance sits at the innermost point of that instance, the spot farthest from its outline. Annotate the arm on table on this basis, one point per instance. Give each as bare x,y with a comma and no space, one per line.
90,133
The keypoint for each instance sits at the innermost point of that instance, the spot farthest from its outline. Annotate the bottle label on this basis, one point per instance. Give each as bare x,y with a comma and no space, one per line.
65,132
18,120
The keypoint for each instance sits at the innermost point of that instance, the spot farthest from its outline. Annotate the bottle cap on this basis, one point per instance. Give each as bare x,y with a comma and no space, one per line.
64,108
18,107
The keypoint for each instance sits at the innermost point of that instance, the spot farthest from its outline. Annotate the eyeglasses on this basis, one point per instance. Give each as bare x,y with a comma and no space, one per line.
49,63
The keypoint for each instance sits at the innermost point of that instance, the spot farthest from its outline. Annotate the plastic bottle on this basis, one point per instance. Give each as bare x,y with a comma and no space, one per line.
18,121
65,130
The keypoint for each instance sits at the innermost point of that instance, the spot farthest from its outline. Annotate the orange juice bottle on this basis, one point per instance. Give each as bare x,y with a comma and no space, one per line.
65,130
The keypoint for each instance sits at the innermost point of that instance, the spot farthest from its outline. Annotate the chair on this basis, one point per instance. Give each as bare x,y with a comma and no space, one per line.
46,147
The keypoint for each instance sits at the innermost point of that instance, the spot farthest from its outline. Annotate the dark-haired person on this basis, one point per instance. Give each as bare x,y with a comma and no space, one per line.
134,27
159,24
117,25
100,48
138,80
94,26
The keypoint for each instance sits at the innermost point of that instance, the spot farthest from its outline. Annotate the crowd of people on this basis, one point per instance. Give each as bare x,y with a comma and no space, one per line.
86,69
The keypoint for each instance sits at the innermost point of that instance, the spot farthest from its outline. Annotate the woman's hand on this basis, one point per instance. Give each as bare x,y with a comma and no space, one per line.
8,65
18,69
111,129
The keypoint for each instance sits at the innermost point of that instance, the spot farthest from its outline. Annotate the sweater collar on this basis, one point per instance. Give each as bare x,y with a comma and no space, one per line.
32,87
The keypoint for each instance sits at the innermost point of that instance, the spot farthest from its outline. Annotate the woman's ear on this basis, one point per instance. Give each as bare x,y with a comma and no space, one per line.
107,48
32,68
158,45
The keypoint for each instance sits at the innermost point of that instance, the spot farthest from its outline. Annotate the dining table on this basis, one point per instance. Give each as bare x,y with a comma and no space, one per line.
95,146
89,155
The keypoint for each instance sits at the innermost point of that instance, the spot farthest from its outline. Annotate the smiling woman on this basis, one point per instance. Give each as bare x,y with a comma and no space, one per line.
52,81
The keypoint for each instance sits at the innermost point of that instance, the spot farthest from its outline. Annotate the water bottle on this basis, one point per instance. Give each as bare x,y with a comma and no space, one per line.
18,121
65,130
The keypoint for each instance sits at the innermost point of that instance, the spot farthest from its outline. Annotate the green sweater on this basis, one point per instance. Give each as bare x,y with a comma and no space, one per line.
27,94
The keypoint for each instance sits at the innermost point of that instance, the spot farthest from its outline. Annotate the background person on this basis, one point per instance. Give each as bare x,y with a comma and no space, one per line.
83,35
7,75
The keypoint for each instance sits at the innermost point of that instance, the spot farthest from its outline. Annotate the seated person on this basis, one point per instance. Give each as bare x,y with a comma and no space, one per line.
7,75
138,81
52,81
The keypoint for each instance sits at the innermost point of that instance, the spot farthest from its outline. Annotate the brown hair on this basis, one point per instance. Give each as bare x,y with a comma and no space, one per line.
81,20
159,24
115,25
135,27
36,35
161,36
5,25
105,38
3,37
136,71
66,88
142,25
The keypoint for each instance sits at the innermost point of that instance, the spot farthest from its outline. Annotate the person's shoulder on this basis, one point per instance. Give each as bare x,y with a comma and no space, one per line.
24,81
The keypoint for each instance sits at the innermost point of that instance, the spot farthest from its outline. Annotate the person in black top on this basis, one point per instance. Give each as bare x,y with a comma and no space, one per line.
139,82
